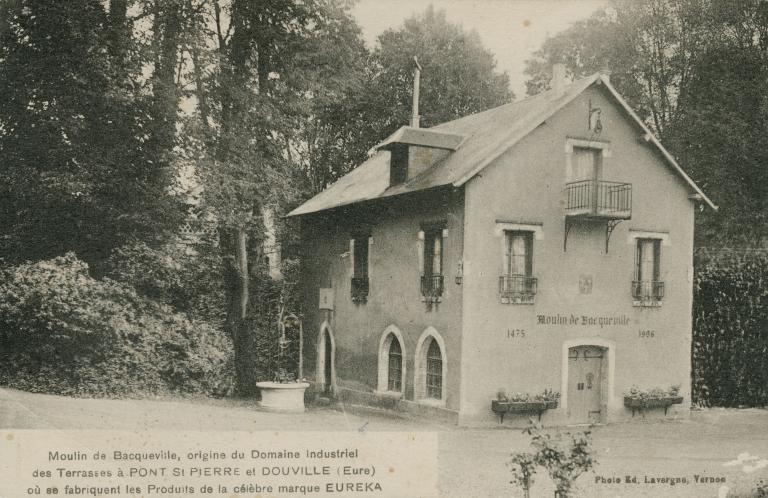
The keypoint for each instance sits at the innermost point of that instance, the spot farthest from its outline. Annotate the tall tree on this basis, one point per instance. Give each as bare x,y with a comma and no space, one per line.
76,172
719,134
255,99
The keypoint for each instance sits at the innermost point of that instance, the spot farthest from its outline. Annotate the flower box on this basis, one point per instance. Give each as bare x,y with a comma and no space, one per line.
645,403
501,408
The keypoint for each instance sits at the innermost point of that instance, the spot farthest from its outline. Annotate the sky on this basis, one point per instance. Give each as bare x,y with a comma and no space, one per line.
511,29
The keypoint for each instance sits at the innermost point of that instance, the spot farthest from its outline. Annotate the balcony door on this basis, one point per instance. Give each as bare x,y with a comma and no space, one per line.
585,164
587,168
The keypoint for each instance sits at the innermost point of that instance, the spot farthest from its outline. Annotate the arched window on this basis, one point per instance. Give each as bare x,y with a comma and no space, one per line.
434,370
395,371
391,367
431,369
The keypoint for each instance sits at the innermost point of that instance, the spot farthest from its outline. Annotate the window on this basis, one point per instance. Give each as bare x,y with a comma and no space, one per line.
647,286
586,164
398,169
395,363
516,282
434,370
431,369
391,367
360,283
432,270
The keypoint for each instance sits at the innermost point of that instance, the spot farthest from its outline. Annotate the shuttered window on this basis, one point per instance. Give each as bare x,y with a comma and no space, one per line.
518,257
648,260
360,255
433,252
585,164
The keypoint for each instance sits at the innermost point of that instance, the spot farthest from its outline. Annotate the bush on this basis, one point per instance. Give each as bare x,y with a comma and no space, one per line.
730,336
186,277
564,455
64,332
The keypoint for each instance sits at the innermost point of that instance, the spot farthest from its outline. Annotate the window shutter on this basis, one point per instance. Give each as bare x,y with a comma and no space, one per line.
420,251
507,252
368,260
528,254
437,256
656,260
352,256
638,259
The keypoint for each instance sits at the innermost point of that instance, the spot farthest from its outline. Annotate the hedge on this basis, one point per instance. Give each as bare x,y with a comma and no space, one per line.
64,332
730,337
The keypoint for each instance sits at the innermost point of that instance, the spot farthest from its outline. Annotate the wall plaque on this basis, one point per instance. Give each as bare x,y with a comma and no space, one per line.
326,299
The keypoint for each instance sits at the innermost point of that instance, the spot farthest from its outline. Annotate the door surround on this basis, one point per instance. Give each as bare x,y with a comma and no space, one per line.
610,359
321,353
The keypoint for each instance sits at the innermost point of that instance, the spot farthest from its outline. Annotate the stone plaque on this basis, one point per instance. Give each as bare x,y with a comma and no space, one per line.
326,299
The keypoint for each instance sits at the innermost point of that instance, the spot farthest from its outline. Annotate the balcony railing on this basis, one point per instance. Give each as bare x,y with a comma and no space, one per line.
517,287
599,199
360,289
647,290
432,286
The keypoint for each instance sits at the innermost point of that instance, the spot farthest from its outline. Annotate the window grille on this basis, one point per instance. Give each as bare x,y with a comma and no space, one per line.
395,375
434,371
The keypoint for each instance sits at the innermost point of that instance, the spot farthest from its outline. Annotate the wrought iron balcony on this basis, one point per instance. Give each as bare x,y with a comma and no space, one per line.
360,289
599,199
517,287
432,286
647,290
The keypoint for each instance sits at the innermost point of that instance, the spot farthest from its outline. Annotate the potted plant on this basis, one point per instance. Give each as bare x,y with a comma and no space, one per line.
285,393
638,399
523,402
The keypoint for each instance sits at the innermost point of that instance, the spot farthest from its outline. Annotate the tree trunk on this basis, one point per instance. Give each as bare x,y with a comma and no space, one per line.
239,326
167,28
242,270
119,36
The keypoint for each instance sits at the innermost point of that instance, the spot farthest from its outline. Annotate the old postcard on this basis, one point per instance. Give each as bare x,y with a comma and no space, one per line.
389,248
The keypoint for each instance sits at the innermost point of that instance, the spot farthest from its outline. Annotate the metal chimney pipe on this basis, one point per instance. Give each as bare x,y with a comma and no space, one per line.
415,118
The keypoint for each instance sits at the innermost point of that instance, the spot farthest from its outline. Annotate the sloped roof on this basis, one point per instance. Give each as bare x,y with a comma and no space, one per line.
486,135
426,137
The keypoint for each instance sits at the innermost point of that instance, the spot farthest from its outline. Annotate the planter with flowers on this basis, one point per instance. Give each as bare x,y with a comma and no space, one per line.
524,403
641,400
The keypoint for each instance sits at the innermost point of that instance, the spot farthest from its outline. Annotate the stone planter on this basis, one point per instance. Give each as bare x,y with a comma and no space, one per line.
643,404
282,397
501,408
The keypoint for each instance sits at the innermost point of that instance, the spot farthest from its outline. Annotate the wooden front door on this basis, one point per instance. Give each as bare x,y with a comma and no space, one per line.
585,386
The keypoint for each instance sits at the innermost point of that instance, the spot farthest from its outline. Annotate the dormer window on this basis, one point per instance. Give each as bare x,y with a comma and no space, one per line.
398,171
415,150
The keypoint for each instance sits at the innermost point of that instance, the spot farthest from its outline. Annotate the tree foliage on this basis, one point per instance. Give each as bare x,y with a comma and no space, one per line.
77,168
